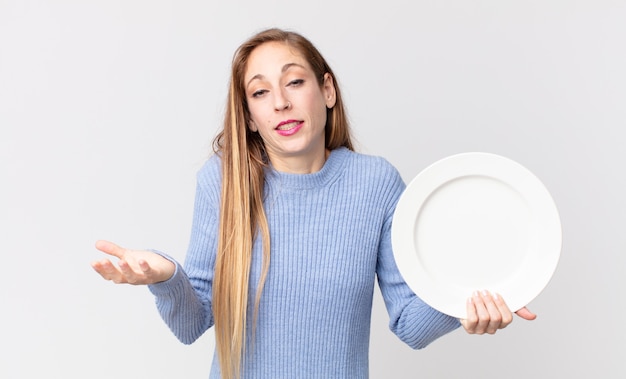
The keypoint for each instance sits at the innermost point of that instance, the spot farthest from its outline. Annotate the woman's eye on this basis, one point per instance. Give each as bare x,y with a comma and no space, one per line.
295,82
259,93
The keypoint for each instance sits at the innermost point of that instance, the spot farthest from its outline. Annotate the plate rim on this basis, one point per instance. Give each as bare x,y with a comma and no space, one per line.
407,212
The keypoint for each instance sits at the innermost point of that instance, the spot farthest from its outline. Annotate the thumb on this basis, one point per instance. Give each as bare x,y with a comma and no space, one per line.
526,314
110,248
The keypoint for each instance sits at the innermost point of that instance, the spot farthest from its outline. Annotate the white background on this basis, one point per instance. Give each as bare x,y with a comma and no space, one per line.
107,110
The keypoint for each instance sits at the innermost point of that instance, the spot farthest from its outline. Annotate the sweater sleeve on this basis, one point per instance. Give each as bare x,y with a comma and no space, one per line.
412,320
185,300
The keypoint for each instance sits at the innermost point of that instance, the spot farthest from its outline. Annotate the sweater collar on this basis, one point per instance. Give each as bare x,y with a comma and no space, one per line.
331,169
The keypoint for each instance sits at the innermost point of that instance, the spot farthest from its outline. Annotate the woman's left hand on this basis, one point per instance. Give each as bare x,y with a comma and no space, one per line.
486,313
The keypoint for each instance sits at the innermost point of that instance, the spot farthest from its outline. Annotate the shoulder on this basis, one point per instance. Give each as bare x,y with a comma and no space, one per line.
372,177
209,176
212,167
373,168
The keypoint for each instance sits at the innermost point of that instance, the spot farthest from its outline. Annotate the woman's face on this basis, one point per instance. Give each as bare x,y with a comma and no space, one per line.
288,107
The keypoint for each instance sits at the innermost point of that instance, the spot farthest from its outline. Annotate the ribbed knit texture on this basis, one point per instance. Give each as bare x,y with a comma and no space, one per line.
330,239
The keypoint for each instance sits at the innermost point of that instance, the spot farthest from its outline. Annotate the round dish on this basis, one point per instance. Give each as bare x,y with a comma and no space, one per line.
476,221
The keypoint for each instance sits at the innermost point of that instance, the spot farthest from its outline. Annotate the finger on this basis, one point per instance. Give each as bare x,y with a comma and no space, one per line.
526,314
137,273
108,271
505,311
110,248
494,317
130,275
471,321
482,312
102,268
144,267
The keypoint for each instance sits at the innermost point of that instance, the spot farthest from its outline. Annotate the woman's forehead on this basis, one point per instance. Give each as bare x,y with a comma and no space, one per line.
273,58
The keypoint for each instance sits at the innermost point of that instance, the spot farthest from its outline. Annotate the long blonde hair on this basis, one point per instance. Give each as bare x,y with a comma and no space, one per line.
242,216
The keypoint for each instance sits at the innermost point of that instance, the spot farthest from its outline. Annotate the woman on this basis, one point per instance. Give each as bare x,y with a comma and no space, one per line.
291,229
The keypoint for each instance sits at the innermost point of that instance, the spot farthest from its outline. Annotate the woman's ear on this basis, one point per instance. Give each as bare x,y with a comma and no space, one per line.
252,126
328,88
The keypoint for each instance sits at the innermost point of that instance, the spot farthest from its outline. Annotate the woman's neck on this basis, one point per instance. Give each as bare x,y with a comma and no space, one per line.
300,164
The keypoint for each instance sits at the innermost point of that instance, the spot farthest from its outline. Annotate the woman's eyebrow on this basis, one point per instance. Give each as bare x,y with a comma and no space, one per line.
290,65
255,77
286,67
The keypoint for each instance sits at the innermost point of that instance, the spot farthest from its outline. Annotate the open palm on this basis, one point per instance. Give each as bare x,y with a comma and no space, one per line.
133,266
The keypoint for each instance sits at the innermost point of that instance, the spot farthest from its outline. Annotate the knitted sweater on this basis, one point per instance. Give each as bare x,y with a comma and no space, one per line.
330,240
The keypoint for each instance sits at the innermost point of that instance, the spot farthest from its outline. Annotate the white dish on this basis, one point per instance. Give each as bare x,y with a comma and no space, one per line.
476,221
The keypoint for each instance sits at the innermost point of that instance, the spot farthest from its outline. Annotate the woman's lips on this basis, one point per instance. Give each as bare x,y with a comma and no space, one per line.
289,127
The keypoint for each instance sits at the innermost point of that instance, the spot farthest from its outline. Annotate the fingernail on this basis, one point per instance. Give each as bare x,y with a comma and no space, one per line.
485,293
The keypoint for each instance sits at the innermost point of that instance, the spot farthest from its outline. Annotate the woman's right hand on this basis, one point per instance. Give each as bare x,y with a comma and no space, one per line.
133,266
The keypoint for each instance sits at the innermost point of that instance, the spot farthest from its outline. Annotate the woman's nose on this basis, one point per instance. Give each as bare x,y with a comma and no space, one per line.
281,103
